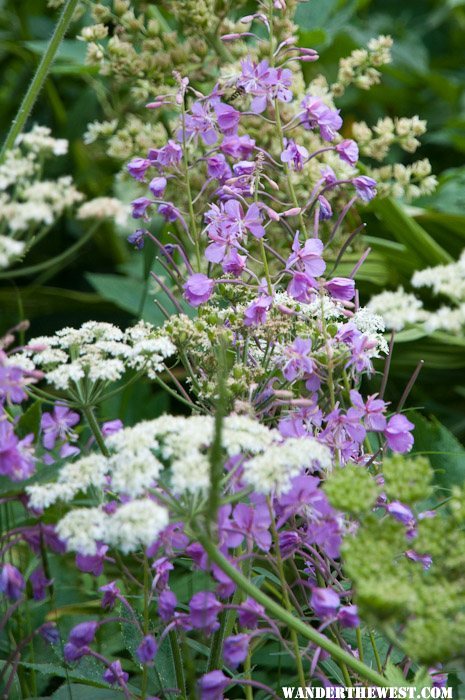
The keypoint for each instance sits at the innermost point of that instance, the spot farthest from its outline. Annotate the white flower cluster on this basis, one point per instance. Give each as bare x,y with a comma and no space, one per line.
406,182
10,251
100,352
105,208
73,478
134,525
400,309
376,142
444,279
272,471
361,67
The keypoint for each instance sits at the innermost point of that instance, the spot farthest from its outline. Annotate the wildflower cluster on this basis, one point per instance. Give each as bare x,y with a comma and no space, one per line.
260,518
30,205
401,309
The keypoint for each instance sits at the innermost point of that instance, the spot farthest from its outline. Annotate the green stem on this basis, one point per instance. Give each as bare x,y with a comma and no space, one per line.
266,268
287,602
376,653
359,643
195,233
178,663
58,259
38,80
287,618
92,422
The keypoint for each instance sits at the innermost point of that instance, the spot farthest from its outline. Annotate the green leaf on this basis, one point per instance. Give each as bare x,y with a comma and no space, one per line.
126,293
445,452
30,420
410,233
76,691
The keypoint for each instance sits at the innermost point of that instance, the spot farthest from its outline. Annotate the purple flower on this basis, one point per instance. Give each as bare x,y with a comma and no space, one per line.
218,167
373,410
73,653
325,602
318,115
138,167
115,674
402,513
137,238
147,649
235,649
238,146
240,223
198,289
157,186
16,460
255,79
254,522
167,602
212,685
111,593
398,435
49,632
365,187
295,154
170,154
140,206
425,559
39,583
92,563
203,611
11,384
325,211
289,541
11,582
255,314
307,257
299,363
233,263
162,568
342,288
199,122
110,427
169,212
57,425
249,613
348,616
83,634
301,287
348,151
228,118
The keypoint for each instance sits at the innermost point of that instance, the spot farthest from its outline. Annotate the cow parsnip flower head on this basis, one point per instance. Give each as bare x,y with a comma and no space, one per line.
98,352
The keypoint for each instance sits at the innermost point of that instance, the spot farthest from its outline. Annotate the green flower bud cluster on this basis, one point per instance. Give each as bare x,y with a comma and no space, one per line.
408,582
352,489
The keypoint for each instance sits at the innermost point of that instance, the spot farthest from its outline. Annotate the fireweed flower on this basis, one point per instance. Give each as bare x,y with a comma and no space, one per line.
17,459
398,433
58,425
198,289
12,582
147,649
325,602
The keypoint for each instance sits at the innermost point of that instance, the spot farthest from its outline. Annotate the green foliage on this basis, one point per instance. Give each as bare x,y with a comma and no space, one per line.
419,605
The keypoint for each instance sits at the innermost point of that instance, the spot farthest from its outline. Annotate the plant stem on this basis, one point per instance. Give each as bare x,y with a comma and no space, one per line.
287,618
39,78
376,653
287,603
92,422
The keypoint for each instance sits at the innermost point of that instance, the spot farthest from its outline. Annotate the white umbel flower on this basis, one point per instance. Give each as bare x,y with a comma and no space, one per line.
81,528
272,471
136,524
